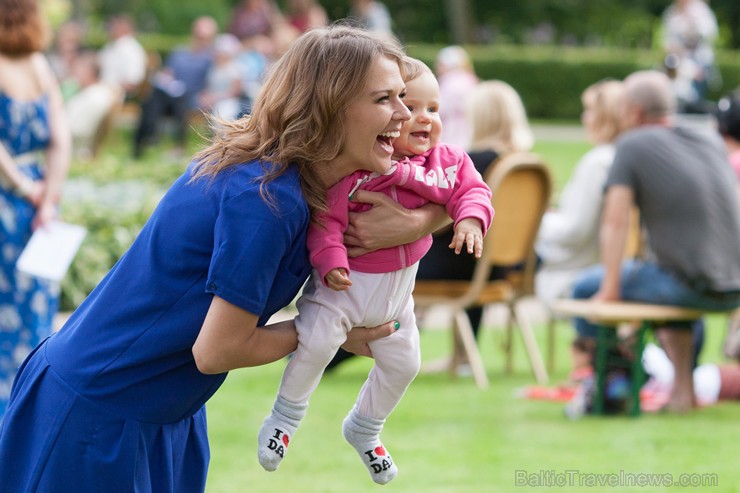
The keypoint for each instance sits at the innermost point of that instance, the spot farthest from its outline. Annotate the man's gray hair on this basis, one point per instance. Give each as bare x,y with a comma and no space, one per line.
652,92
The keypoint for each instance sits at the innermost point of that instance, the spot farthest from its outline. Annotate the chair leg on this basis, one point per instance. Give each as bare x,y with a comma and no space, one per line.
458,350
551,344
465,333
508,345
530,343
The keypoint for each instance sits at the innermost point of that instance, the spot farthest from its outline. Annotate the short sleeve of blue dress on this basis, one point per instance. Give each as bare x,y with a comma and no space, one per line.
244,268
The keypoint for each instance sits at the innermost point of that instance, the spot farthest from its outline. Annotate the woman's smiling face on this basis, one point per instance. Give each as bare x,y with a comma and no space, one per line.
374,120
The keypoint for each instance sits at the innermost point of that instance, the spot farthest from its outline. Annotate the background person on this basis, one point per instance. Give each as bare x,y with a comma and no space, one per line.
685,192
34,159
117,395
63,54
372,15
175,88
253,17
90,104
456,81
123,61
568,238
305,15
689,32
222,95
500,126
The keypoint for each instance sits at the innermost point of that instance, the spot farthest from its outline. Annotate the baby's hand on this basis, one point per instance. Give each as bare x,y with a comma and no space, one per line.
338,280
468,232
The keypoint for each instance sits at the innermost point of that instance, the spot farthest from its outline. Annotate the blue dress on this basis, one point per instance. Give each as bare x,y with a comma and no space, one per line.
27,305
114,398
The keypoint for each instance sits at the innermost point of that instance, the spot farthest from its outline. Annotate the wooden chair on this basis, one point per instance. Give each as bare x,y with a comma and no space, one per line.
521,186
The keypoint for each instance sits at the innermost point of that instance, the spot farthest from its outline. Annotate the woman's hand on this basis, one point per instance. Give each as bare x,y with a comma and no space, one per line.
36,192
388,224
230,339
45,213
359,337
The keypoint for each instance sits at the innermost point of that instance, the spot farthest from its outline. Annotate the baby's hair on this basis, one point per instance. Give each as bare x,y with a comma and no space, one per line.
413,68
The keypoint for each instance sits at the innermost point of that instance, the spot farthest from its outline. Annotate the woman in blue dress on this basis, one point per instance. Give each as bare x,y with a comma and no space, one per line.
33,130
117,396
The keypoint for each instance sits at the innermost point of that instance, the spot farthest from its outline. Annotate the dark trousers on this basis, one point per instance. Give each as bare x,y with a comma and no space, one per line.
158,106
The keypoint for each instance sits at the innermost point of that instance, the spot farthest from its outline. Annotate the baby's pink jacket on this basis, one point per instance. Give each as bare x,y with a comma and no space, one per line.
443,175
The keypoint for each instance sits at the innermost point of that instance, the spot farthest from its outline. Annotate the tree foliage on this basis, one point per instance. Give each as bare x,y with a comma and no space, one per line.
620,23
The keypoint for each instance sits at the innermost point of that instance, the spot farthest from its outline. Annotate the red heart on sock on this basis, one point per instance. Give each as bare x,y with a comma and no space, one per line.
285,439
380,450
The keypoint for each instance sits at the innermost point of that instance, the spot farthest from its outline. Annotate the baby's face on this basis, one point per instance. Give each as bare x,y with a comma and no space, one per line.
423,130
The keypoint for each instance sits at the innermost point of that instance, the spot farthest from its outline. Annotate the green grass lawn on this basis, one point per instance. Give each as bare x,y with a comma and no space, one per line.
447,436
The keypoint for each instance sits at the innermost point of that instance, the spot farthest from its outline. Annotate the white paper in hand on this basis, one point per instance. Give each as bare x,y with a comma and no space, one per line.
50,250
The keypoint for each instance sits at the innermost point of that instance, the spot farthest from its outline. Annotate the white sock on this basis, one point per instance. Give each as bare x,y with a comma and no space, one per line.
363,433
277,431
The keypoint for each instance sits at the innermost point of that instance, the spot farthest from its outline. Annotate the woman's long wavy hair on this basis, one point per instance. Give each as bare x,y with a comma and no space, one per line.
298,118
23,30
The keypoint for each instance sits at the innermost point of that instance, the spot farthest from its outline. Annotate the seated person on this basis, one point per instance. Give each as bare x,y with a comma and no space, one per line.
175,87
90,105
568,239
222,96
679,180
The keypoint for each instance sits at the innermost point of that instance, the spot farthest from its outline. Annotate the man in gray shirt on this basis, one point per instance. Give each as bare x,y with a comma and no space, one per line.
683,186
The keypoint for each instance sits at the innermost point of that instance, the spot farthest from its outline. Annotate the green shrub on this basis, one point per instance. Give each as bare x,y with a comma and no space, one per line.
113,198
113,215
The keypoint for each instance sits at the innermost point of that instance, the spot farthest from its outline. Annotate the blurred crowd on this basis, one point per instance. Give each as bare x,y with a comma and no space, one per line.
218,72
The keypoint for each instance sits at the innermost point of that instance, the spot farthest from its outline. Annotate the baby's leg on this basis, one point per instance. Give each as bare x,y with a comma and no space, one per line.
397,361
321,331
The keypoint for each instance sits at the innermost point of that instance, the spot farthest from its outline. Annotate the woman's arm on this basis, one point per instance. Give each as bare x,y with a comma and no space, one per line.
389,224
59,152
230,339
23,186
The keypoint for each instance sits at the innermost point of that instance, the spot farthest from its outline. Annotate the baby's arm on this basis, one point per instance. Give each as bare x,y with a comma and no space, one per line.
325,233
338,279
468,232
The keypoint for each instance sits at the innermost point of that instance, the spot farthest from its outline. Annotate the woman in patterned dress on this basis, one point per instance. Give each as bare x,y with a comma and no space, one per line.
33,130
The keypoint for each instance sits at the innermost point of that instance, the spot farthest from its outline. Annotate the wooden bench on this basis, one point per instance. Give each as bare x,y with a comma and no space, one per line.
607,316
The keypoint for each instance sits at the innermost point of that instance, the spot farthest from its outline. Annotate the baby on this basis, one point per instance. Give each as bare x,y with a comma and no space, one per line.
381,282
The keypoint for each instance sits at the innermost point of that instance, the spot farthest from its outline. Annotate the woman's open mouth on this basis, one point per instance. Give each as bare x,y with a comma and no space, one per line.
386,140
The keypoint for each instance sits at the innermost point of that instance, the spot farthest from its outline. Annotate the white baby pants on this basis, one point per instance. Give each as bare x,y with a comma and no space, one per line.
325,317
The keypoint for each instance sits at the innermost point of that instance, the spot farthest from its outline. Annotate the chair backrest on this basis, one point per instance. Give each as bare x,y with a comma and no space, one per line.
521,186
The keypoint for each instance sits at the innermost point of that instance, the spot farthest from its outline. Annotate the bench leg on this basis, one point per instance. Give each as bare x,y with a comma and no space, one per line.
638,371
602,347
605,338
